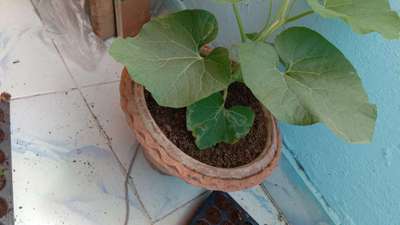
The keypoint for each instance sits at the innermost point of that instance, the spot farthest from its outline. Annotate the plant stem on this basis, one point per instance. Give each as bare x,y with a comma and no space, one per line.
281,18
269,16
299,16
269,12
239,22
225,94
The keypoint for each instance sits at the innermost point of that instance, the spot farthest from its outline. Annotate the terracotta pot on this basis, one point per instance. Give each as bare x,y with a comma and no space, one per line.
130,16
169,159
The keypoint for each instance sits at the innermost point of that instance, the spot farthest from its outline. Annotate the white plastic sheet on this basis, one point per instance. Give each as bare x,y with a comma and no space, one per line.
69,26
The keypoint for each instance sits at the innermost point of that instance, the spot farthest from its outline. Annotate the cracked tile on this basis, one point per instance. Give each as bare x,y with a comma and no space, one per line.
104,101
185,214
160,194
61,119
30,64
258,205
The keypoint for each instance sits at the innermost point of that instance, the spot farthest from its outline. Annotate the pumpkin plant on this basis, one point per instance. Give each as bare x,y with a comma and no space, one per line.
300,77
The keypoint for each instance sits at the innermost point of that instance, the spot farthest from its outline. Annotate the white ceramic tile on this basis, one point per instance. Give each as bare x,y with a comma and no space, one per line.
30,64
259,206
61,186
104,101
160,194
64,172
105,70
292,194
184,214
61,119
17,15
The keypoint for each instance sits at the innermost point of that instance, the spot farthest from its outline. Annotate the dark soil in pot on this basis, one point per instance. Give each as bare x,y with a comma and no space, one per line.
2,157
2,182
2,116
173,123
2,136
3,207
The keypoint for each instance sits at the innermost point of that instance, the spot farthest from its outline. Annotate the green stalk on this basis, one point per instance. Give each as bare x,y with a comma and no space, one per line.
299,16
269,17
225,94
267,30
269,13
239,22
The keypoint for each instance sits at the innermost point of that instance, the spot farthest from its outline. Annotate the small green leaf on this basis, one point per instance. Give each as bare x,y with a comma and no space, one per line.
165,58
364,16
319,85
211,123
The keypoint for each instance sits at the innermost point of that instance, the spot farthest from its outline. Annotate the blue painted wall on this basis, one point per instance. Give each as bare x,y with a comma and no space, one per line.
361,183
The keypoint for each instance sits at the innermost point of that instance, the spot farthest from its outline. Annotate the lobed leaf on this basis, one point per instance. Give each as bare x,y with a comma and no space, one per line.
364,16
211,123
165,58
319,84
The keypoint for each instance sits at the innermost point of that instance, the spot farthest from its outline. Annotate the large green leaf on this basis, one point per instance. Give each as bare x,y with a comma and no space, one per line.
165,58
319,84
364,16
211,123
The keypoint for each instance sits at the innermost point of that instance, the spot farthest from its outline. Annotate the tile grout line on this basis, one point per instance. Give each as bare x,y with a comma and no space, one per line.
99,84
64,91
44,94
108,139
135,192
182,206
281,215
99,126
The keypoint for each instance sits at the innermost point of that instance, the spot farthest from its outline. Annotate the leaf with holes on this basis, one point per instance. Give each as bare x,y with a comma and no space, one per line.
211,123
165,58
364,16
319,84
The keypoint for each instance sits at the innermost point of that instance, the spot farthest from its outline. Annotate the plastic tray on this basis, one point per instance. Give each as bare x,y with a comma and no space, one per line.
220,209
6,195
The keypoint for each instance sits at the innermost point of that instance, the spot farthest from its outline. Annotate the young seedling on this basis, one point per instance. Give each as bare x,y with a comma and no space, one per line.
317,82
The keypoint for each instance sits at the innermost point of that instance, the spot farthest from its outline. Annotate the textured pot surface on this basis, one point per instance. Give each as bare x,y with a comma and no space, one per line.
168,158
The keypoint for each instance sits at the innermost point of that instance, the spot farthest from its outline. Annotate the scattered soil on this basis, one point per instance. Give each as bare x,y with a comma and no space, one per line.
222,202
201,222
213,215
2,182
173,123
2,135
5,97
235,214
227,223
3,207
2,157
2,116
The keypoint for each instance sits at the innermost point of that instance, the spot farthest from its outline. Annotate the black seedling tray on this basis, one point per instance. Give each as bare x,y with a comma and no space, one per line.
220,209
6,195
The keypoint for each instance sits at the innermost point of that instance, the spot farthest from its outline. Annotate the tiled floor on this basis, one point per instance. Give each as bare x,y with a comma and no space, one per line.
71,145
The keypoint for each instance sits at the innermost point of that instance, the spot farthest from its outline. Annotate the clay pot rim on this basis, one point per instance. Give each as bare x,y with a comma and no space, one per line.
262,162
